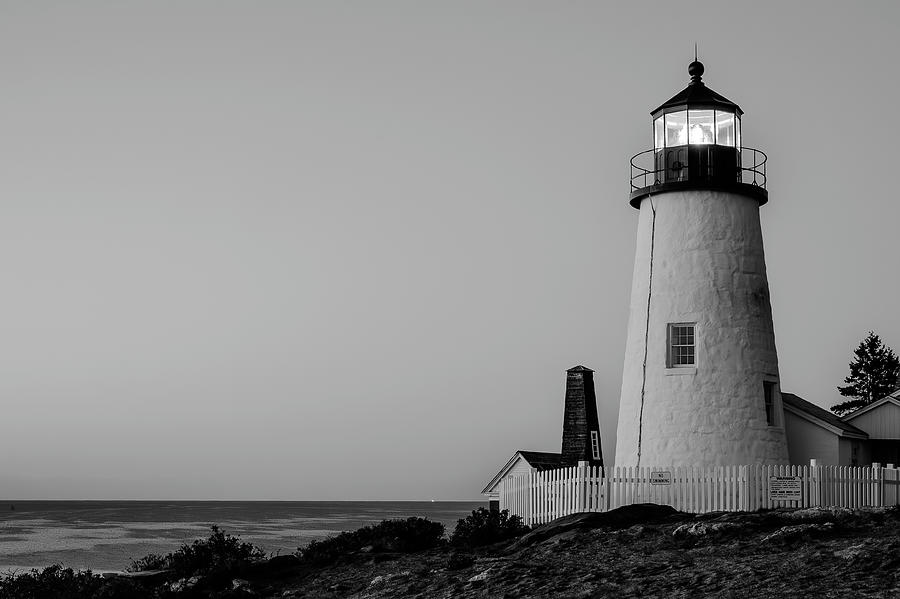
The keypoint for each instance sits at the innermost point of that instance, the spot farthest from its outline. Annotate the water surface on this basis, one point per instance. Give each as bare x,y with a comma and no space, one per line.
107,535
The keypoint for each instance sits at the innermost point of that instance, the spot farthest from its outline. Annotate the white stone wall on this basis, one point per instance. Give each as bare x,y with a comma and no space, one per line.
708,268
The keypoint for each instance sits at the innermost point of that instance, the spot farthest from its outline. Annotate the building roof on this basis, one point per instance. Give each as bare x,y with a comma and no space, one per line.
893,397
579,368
821,414
697,95
542,460
539,460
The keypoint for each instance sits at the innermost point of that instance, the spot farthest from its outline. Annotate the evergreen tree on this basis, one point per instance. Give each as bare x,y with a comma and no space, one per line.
874,373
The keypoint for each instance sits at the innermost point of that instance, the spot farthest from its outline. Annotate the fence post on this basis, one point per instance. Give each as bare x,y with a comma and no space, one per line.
742,489
816,483
529,485
607,487
889,473
878,486
580,486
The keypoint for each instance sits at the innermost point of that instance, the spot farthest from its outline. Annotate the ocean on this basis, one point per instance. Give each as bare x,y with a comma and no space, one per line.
106,535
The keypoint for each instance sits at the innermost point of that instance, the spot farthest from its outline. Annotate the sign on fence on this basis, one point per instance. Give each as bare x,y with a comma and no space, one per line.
661,477
785,488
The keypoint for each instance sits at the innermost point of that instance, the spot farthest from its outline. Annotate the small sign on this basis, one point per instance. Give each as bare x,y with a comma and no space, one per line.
661,477
785,488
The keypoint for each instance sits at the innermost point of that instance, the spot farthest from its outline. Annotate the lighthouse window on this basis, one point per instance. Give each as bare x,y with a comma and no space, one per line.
595,445
659,134
681,345
701,126
737,132
769,396
724,128
676,129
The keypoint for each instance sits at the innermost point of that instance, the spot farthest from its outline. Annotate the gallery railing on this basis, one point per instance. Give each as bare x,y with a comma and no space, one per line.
697,163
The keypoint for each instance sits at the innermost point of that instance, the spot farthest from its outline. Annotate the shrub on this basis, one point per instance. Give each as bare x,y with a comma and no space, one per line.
484,527
219,553
400,536
152,561
53,581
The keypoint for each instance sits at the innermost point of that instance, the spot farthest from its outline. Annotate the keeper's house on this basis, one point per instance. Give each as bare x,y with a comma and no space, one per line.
870,434
881,421
815,433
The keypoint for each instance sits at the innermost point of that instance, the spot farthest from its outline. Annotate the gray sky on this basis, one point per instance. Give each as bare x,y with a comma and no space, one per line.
346,250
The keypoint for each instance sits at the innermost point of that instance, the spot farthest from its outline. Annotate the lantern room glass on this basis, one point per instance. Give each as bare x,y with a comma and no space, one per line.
704,126
676,129
724,128
659,134
701,127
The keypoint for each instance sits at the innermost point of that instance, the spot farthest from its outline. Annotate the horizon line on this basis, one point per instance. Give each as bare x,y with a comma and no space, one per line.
12,501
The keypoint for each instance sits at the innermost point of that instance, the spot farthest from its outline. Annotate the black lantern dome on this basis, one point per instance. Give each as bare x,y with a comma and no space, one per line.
697,144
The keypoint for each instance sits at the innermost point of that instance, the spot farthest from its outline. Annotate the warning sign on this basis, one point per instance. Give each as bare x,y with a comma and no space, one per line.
661,477
785,488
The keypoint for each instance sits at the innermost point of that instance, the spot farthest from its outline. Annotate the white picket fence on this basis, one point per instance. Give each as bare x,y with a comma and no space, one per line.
540,497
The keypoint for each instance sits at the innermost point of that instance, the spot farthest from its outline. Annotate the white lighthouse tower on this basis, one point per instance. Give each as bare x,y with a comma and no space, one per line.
700,385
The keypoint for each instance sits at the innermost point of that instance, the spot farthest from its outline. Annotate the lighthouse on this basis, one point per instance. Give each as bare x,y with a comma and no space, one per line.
700,386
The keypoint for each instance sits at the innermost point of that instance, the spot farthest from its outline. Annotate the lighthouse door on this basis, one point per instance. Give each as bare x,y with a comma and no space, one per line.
676,164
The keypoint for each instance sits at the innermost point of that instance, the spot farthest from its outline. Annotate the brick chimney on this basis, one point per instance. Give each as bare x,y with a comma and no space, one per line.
581,427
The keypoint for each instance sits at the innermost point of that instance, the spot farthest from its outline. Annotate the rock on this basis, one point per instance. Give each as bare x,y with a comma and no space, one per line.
619,518
564,536
149,577
458,561
480,577
239,583
702,529
271,566
853,552
816,514
381,579
786,534
367,549
184,584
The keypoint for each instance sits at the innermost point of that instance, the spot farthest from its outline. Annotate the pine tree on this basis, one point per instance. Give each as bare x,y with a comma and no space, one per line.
874,373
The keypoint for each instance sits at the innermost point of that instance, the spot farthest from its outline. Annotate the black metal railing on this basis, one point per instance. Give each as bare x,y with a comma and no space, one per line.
650,168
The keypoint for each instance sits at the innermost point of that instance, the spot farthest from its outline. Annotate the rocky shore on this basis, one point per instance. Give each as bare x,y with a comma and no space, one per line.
636,551
645,551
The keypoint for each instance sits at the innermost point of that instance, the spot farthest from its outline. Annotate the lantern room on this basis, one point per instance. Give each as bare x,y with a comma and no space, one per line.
697,143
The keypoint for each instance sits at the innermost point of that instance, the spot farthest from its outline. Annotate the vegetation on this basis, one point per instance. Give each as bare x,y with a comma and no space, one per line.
56,582
219,553
648,551
484,527
398,536
874,373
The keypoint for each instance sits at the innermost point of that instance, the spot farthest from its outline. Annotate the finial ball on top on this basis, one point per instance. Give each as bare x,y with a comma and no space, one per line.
695,70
